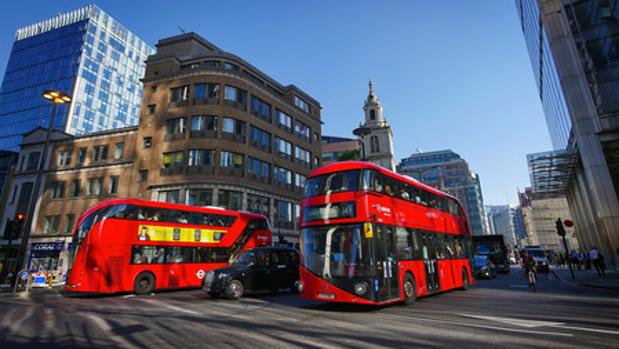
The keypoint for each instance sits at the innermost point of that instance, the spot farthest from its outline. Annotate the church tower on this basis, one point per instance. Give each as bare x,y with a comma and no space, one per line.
378,144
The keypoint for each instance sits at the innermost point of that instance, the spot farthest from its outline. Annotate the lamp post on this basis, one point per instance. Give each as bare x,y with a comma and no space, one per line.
362,132
55,97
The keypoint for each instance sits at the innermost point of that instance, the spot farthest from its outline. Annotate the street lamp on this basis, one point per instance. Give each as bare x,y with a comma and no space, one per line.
55,97
362,132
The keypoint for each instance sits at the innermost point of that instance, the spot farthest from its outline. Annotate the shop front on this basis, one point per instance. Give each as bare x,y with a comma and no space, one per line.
47,262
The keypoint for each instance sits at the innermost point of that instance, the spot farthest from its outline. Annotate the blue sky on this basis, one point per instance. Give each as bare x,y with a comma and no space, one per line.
450,74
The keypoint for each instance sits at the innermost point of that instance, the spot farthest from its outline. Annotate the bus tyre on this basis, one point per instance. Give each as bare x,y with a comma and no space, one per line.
465,280
234,290
144,283
409,289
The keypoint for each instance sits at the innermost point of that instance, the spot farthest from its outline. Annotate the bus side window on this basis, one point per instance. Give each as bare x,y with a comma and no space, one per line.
378,182
459,249
403,246
449,246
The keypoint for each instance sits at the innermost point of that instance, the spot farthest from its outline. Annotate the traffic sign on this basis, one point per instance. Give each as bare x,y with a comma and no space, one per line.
23,275
568,223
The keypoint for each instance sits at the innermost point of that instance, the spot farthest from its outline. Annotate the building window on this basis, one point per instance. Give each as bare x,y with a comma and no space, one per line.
231,66
231,160
179,95
64,157
258,204
283,214
302,156
374,144
33,161
257,169
259,138
301,104
148,142
118,151
200,197
302,130
173,160
235,97
152,108
299,181
282,176
75,188
57,190
283,147
230,199
69,223
94,186
283,120
99,153
260,108
113,189
50,224
203,123
171,196
81,156
206,93
175,128
233,129
372,114
200,157
143,175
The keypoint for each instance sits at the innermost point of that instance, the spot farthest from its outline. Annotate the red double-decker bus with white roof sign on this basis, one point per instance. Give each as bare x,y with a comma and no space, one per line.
373,236
129,245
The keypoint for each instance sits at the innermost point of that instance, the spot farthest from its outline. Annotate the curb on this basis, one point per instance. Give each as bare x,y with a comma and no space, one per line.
585,284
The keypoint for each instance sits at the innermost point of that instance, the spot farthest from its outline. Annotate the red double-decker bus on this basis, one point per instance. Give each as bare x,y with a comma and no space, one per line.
129,245
372,236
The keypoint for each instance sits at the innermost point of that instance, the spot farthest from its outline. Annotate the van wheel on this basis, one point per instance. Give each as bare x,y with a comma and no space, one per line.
465,280
234,290
409,289
144,283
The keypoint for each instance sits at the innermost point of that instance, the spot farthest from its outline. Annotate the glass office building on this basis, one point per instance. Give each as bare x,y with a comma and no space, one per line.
545,72
85,53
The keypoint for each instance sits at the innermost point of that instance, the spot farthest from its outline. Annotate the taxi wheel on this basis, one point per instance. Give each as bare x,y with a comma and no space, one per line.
234,290
144,283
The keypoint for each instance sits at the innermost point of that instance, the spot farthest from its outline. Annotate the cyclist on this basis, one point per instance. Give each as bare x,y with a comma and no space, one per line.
528,266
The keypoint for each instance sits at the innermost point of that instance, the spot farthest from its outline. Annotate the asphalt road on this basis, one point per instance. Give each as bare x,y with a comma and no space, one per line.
497,313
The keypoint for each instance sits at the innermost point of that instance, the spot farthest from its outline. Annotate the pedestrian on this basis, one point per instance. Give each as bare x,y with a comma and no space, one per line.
594,256
587,261
602,264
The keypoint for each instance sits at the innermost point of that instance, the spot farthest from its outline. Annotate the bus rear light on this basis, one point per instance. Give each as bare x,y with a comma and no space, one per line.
326,295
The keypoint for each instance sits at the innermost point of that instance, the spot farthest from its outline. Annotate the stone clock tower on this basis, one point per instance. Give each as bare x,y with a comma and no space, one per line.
378,143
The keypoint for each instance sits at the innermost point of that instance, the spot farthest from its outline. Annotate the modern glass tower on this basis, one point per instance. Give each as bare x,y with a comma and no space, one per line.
447,171
85,53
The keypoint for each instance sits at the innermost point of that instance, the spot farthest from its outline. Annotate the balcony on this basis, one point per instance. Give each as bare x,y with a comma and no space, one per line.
203,134
209,101
231,171
233,137
172,170
175,136
204,169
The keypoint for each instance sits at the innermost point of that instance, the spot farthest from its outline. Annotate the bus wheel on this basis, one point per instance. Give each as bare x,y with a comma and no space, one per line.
234,290
410,290
465,280
144,283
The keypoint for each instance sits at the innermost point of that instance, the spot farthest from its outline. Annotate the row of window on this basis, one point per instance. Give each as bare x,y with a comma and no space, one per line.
419,244
94,186
175,254
65,157
236,97
286,213
155,214
51,225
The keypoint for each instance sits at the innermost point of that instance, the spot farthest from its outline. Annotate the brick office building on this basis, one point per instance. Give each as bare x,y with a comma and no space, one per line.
214,130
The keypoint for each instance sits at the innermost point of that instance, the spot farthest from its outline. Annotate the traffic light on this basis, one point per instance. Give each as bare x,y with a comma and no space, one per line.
16,226
560,228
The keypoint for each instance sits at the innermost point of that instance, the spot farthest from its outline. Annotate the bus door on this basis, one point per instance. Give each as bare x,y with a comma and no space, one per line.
428,251
386,263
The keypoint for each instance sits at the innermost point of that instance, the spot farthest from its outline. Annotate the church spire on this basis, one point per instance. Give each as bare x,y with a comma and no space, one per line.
371,96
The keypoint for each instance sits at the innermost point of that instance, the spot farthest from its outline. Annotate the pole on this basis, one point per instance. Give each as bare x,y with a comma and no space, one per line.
35,193
567,257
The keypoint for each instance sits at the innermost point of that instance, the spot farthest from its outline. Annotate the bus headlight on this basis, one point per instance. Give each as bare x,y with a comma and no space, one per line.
361,288
300,286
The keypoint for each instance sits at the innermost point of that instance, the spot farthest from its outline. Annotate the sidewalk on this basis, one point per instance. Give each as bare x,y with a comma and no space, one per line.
6,291
588,278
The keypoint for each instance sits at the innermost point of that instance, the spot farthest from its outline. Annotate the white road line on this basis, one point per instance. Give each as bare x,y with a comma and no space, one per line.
168,306
587,329
105,327
505,329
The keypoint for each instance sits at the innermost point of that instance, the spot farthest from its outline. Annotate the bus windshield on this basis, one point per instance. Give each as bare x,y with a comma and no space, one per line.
82,231
332,183
337,251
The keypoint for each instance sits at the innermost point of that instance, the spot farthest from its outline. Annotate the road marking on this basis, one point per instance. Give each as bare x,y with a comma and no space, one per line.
107,329
536,323
168,306
505,329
